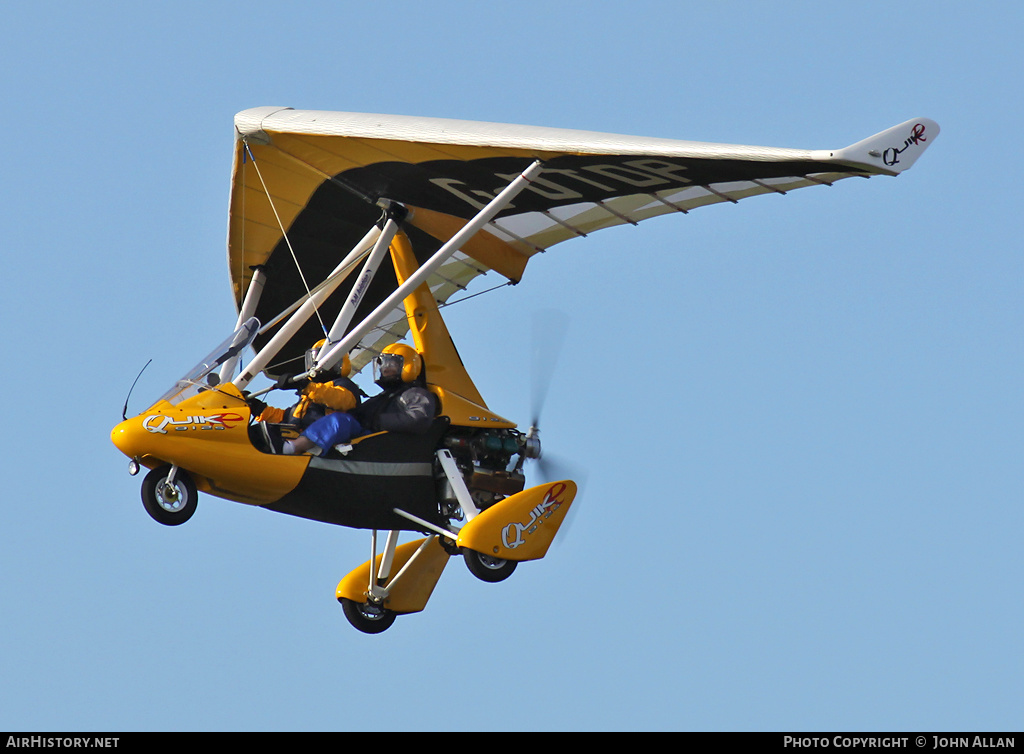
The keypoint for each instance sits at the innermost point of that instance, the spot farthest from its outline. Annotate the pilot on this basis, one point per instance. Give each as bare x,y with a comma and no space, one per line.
405,405
330,394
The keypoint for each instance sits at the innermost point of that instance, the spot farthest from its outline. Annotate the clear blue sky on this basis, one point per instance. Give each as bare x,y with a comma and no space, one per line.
800,417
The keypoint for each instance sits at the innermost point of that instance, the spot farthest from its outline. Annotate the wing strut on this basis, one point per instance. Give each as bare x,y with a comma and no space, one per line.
289,328
252,297
363,282
346,344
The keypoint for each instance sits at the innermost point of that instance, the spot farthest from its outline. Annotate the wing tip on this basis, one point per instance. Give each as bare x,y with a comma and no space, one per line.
891,151
249,123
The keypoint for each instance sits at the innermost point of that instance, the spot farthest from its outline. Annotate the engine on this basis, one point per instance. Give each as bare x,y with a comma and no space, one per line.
491,462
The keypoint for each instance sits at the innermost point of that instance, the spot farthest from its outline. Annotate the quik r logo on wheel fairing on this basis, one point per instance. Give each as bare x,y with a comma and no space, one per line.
512,534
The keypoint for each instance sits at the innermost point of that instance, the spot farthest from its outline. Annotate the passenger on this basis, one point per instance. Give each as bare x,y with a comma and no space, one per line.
321,412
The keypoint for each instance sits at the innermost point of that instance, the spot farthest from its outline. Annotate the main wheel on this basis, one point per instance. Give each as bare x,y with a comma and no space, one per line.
368,618
169,504
486,567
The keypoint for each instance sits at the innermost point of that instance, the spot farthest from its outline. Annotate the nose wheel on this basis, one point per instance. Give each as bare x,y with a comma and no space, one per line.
170,500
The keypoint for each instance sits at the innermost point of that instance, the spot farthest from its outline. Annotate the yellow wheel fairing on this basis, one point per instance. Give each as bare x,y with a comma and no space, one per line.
415,586
207,435
522,526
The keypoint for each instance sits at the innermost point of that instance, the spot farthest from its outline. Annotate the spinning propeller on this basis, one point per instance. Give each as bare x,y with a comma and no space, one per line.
550,327
548,339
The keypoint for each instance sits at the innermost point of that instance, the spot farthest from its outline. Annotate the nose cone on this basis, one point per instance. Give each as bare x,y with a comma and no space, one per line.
129,437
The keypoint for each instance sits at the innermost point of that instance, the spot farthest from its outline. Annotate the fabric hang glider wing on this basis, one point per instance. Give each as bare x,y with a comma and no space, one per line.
324,177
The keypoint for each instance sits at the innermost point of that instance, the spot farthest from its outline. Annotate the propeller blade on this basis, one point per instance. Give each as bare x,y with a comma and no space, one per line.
549,330
550,327
553,469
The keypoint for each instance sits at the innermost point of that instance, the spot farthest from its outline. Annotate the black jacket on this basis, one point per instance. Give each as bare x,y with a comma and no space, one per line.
405,408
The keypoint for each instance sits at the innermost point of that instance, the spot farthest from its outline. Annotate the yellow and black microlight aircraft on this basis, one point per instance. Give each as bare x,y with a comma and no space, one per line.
352,229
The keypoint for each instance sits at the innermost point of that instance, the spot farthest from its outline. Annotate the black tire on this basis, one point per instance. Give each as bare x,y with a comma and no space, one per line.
367,618
169,510
488,568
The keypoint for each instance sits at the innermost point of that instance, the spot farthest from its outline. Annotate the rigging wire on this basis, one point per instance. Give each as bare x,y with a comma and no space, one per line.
441,305
284,234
